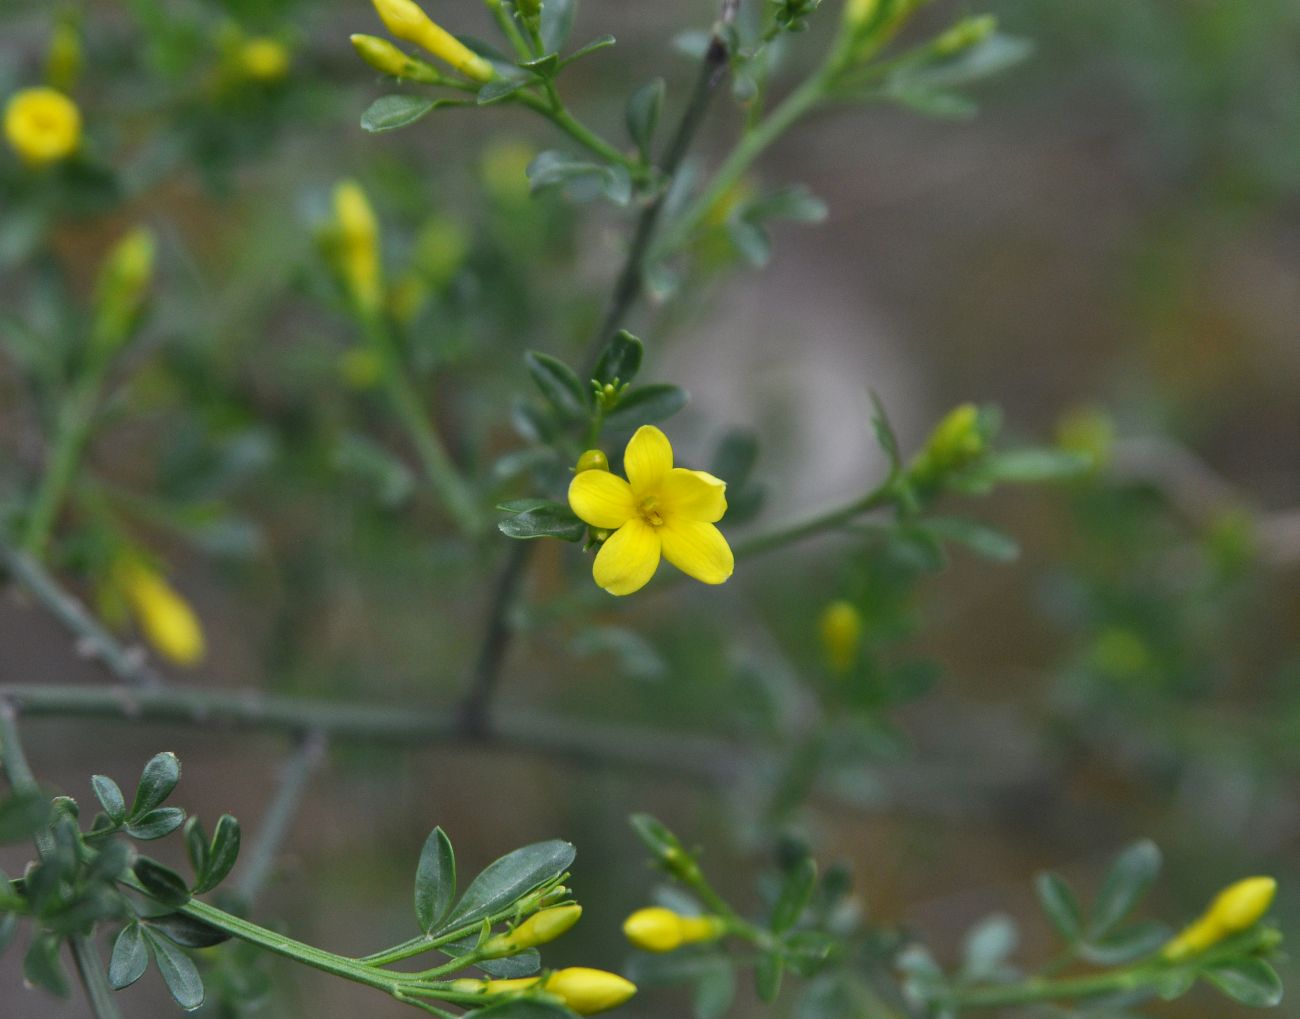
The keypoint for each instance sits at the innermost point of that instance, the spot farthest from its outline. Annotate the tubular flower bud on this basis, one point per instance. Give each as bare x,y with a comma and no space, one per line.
538,929
859,12
1235,909
965,34
264,59
63,58
957,441
655,929
357,235
123,286
386,58
591,460
408,22
167,620
42,125
584,990
841,634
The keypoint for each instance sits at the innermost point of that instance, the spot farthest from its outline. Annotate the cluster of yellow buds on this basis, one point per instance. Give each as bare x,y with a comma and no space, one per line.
540,928
354,241
166,619
585,991
840,629
42,125
656,929
408,22
1235,909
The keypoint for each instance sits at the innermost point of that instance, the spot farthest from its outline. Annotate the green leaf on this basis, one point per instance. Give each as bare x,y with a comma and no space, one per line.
22,816
1026,466
580,180
130,957
1125,883
388,113
509,878
502,88
643,109
187,931
42,966
985,541
524,964
1060,905
655,835
715,991
1251,982
621,359
796,892
551,520
161,883
222,854
435,880
157,781
178,972
647,404
557,22
8,928
585,51
114,859
559,384
197,848
885,436
156,823
767,976
1132,942
987,946
109,796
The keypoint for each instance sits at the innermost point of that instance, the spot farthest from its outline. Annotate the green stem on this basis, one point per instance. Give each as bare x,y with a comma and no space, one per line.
73,428
827,521
560,116
509,29
1067,989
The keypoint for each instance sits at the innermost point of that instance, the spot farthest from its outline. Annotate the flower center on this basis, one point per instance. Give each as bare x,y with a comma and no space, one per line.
649,510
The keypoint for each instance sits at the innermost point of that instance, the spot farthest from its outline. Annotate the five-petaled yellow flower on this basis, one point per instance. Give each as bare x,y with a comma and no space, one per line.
659,510
43,125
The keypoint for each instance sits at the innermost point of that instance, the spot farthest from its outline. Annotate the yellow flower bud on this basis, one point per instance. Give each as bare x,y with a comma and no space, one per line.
957,440
589,990
408,22
263,59
591,460
655,929
357,236
63,59
538,929
123,286
167,620
841,634
1237,908
859,12
386,58
42,125
965,34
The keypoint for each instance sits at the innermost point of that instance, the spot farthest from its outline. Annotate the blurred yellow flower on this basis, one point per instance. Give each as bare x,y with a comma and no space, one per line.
659,510
357,236
42,125
262,58
655,929
408,22
840,629
166,619
1237,908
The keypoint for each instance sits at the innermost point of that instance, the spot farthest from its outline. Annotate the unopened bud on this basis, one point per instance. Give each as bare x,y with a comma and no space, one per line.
966,33
386,58
538,929
591,460
406,20
840,629
1235,909
655,929
123,286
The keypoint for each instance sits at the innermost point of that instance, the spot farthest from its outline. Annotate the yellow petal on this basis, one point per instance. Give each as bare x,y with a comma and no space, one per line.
601,499
697,549
648,458
627,561
693,495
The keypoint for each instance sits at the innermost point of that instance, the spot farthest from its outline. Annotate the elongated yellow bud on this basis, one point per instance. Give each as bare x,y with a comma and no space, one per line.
965,34
655,929
168,622
591,460
840,629
386,58
538,929
63,59
42,125
859,12
1237,908
123,286
406,20
956,442
585,991
357,238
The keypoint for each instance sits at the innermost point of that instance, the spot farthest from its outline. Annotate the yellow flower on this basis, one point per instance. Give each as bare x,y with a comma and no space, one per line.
263,59
538,929
166,618
583,990
1235,909
408,22
655,929
841,634
43,125
660,510
358,244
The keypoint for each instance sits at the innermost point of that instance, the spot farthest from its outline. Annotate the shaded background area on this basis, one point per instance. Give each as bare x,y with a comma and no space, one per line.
1118,230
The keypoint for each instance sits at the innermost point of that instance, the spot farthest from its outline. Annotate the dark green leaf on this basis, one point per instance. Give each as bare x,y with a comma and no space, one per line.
544,67
502,88
590,48
715,991
435,880
178,972
113,859
525,504
621,359
156,823
1060,906
643,109
767,976
557,21
507,879
1125,883
22,816
796,891
8,928
42,966
130,957
222,854
197,848
655,835
161,883
558,384
1251,982
552,520
187,931
647,404
581,180
525,964
388,113
157,781
1132,942
110,797
807,951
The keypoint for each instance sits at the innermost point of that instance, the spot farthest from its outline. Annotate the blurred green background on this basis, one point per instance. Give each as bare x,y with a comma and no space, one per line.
1112,246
